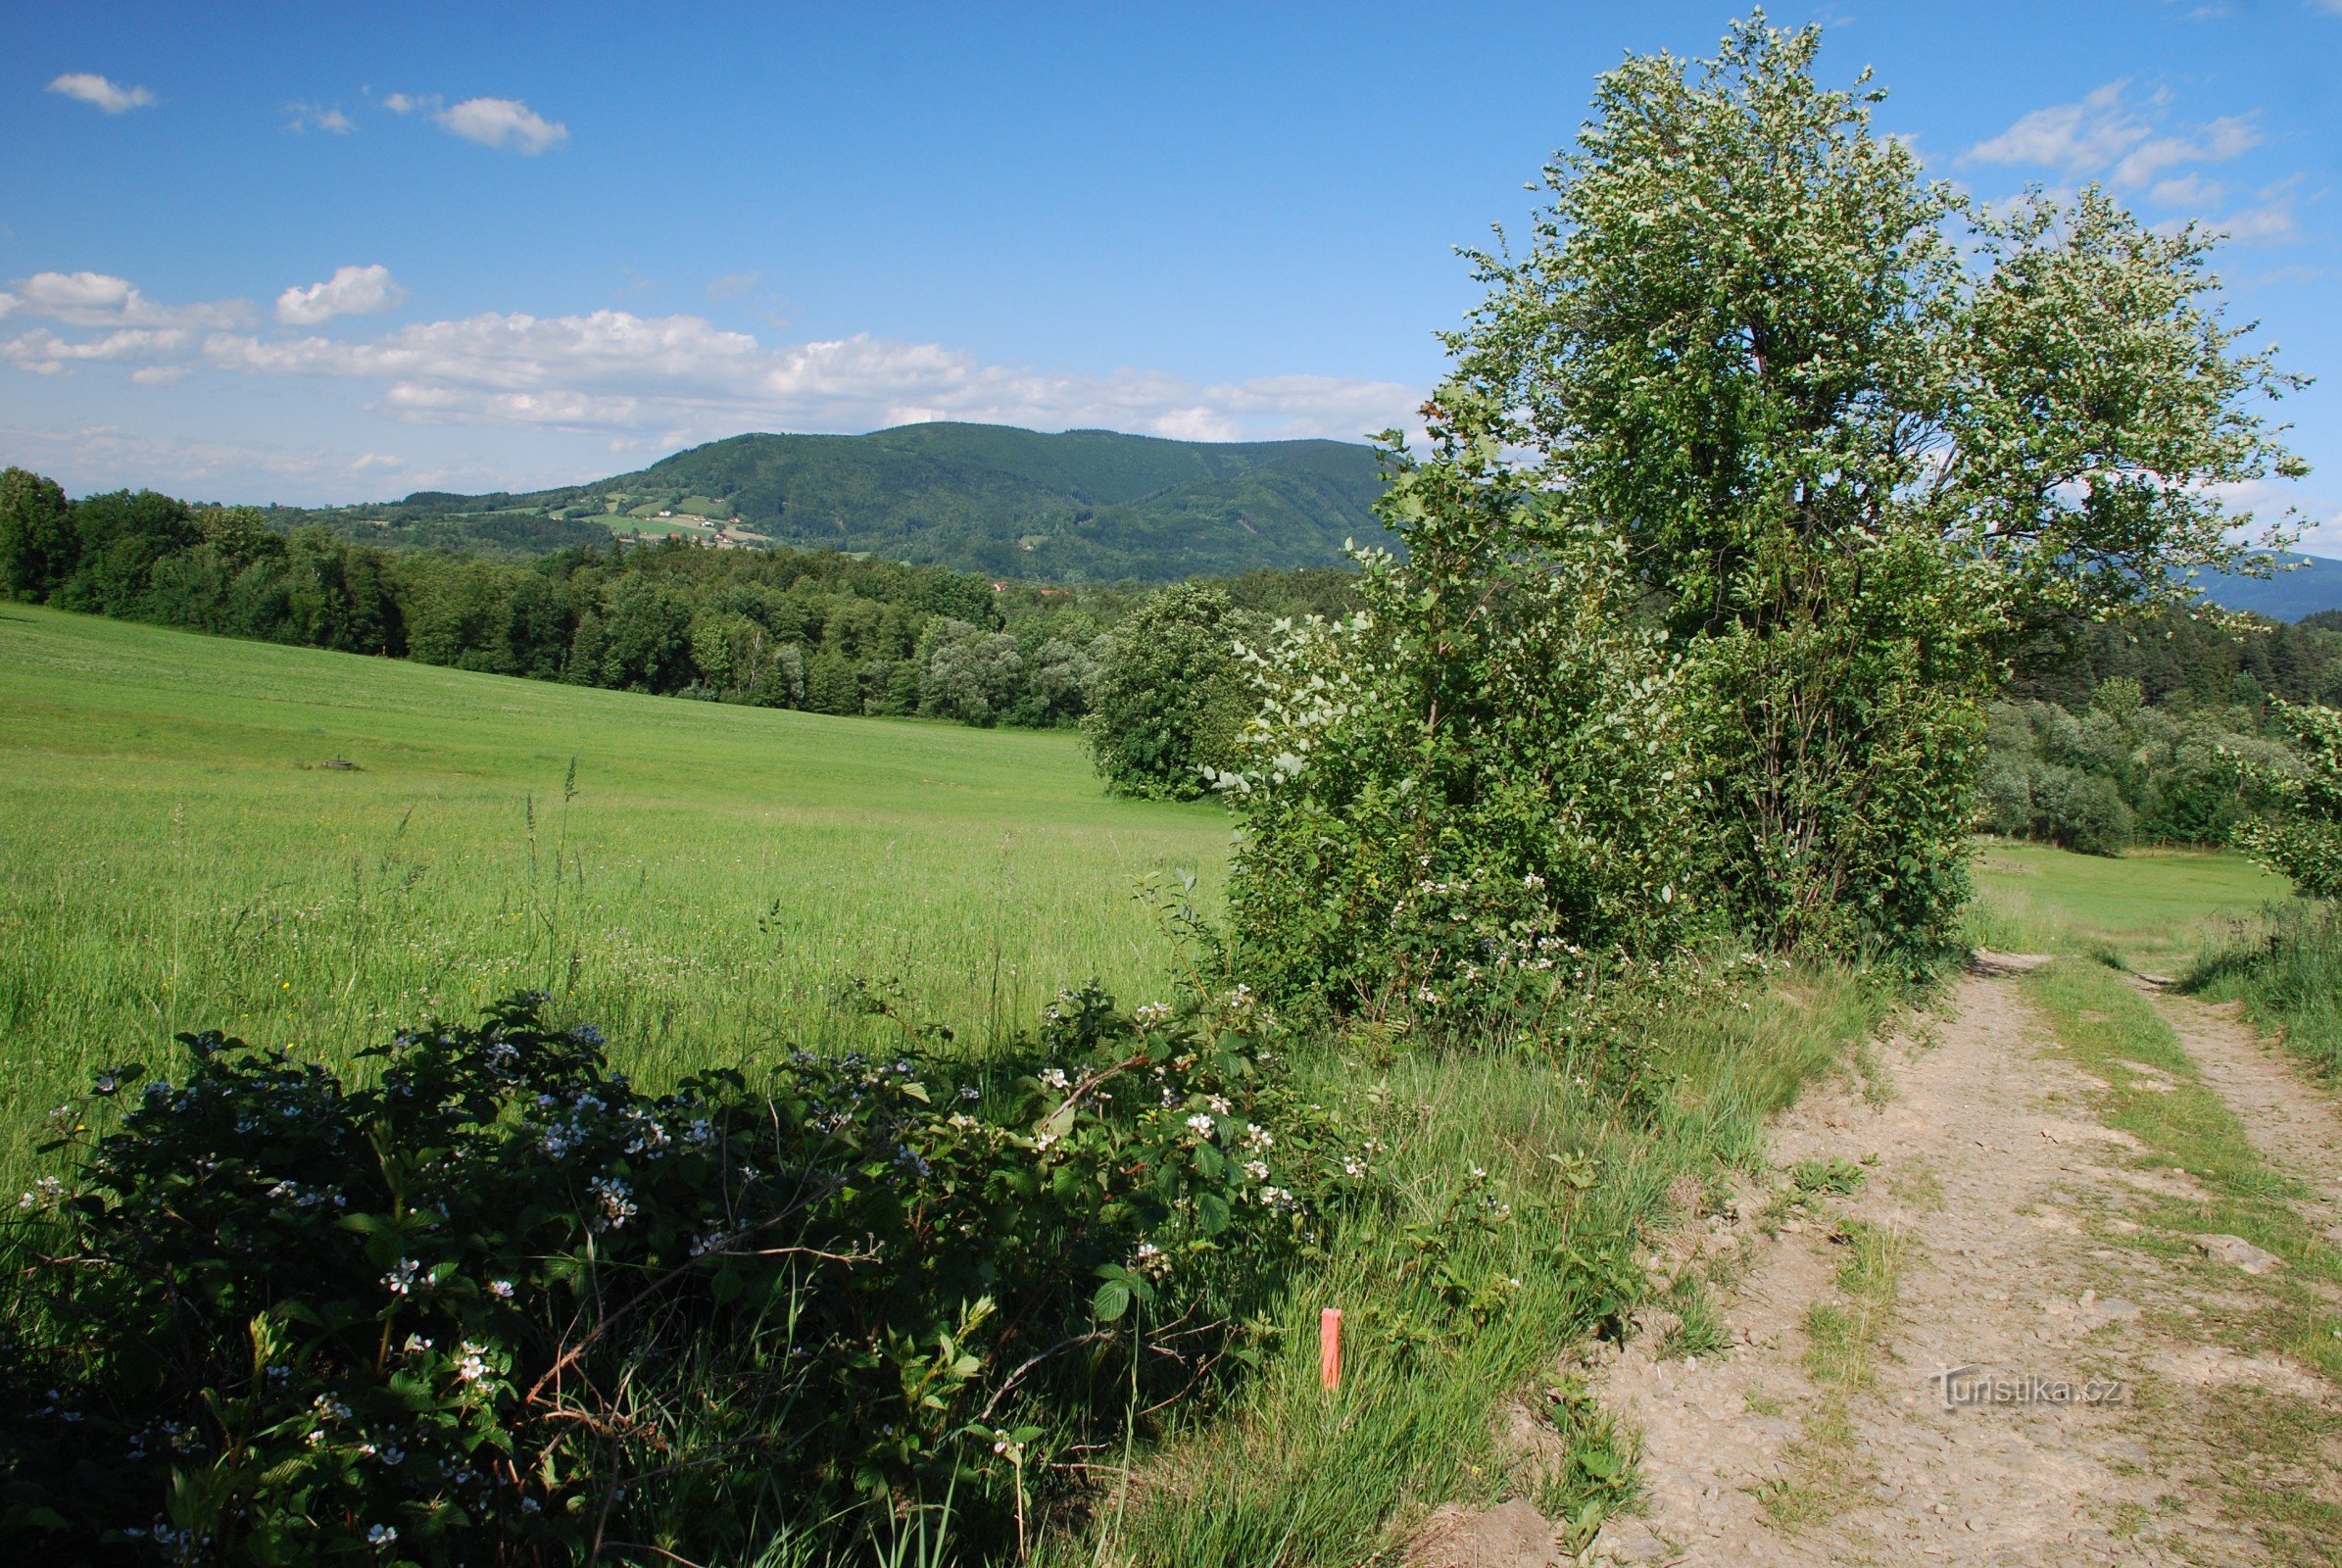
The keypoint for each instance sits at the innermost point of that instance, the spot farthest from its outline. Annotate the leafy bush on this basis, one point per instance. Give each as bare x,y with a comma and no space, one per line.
506,1305
1474,795
2301,837
1170,696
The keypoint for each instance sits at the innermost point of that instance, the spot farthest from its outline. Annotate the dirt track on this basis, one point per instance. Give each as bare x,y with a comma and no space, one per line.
2006,1200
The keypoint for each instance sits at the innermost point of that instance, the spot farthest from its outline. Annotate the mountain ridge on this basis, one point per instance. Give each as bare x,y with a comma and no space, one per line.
1071,505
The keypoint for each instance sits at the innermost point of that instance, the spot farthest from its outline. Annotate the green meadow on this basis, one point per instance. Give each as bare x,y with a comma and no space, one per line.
180,854
2152,907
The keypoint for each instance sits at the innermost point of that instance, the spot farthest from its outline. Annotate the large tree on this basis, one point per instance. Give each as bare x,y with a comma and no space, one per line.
1858,434
1849,435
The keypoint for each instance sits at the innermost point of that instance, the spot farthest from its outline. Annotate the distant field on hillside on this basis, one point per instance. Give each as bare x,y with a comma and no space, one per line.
2156,907
178,854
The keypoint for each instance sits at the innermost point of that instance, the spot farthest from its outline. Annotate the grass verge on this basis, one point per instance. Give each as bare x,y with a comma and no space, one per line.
1530,1204
2287,971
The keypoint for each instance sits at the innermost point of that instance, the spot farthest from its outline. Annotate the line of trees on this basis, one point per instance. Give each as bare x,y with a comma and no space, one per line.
824,631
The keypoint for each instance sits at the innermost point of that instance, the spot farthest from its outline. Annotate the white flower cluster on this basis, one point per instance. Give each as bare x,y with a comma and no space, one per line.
616,1201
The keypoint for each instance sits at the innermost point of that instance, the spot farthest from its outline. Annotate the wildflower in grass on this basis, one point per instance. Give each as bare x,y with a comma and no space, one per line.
1258,1137
1219,1104
502,1290
1054,1078
1259,1170
1201,1125
401,1280
381,1536
1152,1013
474,1366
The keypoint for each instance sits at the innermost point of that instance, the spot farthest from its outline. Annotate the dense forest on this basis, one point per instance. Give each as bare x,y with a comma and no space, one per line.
824,631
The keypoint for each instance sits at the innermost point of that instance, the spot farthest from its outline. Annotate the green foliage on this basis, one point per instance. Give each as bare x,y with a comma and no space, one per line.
1475,793
1853,438
38,547
2175,773
2300,836
1170,695
503,1300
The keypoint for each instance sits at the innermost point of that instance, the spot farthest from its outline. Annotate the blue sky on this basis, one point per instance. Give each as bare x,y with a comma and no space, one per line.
336,253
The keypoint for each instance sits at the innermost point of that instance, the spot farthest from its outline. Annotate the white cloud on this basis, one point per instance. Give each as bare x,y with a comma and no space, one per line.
318,117
2080,139
2187,190
662,379
349,291
2318,518
616,373
91,88
398,103
2268,222
98,299
503,123
2102,137
44,353
732,285
374,460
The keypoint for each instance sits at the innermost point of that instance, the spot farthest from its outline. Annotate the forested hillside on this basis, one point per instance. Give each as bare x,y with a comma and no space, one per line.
1086,506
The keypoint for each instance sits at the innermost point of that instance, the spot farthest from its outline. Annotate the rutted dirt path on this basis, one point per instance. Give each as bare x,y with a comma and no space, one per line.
1983,1235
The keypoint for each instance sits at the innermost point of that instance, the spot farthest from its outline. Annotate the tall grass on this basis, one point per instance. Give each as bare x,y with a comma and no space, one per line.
2286,968
1457,1314
697,880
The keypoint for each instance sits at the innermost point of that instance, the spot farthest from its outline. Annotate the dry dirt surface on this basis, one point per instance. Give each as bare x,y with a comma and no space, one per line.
1978,1236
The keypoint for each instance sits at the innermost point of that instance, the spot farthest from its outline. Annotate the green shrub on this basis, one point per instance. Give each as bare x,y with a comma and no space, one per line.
1473,799
2080,812
505,1305
2301,837
1170,697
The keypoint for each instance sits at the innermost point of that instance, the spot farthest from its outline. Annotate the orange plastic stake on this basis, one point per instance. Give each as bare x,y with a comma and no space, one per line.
1329,1346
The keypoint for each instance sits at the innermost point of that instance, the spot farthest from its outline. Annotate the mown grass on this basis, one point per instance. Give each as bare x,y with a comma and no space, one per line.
175,854
2150,906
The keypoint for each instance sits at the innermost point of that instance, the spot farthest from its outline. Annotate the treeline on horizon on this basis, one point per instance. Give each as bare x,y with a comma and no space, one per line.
821,631
2108,736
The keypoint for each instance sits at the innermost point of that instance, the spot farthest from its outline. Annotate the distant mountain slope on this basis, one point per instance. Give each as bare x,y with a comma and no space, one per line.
1085,504
2315,585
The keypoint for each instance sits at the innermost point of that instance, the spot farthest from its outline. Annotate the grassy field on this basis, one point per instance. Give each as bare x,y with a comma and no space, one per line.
2155,909
180,854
